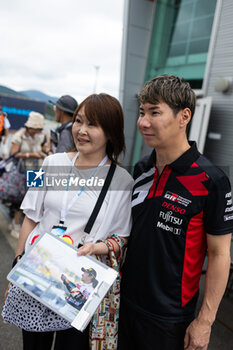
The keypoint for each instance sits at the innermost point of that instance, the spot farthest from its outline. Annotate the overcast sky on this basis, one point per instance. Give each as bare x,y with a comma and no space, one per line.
54,46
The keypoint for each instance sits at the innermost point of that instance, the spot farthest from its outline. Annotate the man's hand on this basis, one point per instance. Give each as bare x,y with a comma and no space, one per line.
197,335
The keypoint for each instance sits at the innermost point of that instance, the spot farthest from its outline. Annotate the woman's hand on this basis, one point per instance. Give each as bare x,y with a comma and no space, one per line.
35,155
43,155
90,248
87,249
26,155
99,248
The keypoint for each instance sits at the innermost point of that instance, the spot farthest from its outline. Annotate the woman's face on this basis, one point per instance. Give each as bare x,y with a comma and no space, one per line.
32,132
89,139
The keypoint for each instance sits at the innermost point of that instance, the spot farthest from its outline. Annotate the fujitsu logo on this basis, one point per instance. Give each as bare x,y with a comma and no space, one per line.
168,217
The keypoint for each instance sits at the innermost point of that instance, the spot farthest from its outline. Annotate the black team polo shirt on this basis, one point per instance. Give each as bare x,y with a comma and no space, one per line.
171,215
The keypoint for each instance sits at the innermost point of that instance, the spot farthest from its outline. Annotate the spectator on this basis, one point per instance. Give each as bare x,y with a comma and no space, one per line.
4,130
28,142
98,132
61,138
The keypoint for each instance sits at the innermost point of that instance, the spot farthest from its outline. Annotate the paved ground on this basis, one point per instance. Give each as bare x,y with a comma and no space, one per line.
10,336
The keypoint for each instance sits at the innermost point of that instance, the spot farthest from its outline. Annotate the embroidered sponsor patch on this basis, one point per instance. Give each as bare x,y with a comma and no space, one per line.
229,209
176,198
228,217
174,230
168,217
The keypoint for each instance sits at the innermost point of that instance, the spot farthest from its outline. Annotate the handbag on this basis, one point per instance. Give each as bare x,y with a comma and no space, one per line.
103,333
23,311
13,183
5,162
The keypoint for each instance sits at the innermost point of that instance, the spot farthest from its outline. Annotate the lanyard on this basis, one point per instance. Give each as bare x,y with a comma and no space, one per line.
65,208
32,141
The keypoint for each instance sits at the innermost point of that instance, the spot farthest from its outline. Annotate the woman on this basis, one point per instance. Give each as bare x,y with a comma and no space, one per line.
29,142
99,139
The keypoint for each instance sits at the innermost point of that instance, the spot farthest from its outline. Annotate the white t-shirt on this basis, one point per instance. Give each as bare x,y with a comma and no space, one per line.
7,124
44,205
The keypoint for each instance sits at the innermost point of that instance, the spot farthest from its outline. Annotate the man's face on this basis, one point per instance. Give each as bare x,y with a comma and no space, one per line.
158,125
58,113
86,278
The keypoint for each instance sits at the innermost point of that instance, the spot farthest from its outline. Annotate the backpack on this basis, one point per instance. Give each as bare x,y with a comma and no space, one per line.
2,116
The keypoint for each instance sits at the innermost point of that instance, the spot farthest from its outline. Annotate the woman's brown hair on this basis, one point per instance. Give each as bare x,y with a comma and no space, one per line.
105,110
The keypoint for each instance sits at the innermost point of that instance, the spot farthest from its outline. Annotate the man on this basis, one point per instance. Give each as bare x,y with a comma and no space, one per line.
61,139
4,130
80,292
181,206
